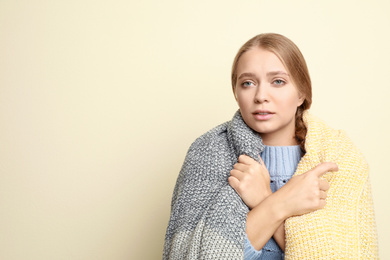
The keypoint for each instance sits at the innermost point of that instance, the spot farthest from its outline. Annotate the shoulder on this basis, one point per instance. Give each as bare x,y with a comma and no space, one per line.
210,154
330,143
211,139
207,162
320,134
320,137
317,127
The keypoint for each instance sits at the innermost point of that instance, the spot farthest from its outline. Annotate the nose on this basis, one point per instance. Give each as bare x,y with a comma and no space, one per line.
261,94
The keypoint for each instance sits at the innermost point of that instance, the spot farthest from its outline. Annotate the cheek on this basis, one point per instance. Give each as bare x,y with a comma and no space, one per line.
235,94
242,100
289,105
242,105
292,100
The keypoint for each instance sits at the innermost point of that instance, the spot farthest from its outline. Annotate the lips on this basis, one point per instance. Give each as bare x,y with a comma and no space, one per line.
263,115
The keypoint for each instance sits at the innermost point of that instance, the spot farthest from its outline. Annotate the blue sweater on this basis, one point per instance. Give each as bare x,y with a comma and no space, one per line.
281,162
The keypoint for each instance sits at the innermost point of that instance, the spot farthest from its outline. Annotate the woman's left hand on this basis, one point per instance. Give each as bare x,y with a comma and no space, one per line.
250,180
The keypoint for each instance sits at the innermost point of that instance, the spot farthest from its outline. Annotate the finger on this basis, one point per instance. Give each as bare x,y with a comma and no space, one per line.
261,161
237,174
234,182
324,185
321,204
241,167
245,159
324,167
323,194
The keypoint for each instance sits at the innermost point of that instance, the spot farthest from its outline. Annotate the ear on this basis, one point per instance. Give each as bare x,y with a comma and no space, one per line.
301,99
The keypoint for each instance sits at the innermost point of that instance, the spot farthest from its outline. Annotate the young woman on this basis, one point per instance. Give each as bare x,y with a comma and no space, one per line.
274,181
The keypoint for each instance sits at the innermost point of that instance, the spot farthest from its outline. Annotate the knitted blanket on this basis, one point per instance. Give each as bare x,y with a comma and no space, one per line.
208,218
345,228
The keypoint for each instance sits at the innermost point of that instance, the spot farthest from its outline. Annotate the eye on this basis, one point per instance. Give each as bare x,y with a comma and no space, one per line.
279,82
247,84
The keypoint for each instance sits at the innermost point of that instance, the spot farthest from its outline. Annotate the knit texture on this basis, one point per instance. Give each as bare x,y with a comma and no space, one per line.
345,228
281,162
208,218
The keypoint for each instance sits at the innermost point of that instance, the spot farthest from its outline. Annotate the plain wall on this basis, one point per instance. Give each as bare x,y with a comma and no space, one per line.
100,100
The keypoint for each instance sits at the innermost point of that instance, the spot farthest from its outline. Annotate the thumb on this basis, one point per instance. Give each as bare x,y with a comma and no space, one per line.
323,168
261,161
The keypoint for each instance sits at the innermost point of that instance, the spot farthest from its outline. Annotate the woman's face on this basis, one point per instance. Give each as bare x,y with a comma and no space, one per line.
267,96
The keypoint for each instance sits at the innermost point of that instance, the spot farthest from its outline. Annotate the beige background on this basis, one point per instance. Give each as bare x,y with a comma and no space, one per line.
100,100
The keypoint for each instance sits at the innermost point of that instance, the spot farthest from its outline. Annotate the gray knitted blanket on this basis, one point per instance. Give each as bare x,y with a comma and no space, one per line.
208,218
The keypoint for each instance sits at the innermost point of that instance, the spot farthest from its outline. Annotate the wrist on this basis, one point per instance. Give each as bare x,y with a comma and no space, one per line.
266,193
277,207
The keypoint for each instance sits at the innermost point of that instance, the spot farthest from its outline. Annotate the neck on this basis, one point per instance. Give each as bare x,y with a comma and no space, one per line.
278,141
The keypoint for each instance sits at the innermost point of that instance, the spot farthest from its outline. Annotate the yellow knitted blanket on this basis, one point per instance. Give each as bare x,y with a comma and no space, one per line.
345,228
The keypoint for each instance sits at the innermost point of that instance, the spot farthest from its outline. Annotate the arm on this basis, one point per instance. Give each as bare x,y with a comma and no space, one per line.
256,185
280,237
264,221
302,194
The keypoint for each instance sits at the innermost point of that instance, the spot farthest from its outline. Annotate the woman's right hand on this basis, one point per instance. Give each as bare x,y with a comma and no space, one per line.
250,180
306,192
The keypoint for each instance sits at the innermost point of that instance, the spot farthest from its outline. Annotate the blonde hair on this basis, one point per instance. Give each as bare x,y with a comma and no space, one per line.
293,60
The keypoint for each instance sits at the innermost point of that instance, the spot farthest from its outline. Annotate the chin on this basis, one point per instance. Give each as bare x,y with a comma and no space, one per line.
262,130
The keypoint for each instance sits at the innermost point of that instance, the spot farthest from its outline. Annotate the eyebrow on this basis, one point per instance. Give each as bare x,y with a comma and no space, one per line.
247,74
271,73
274,73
